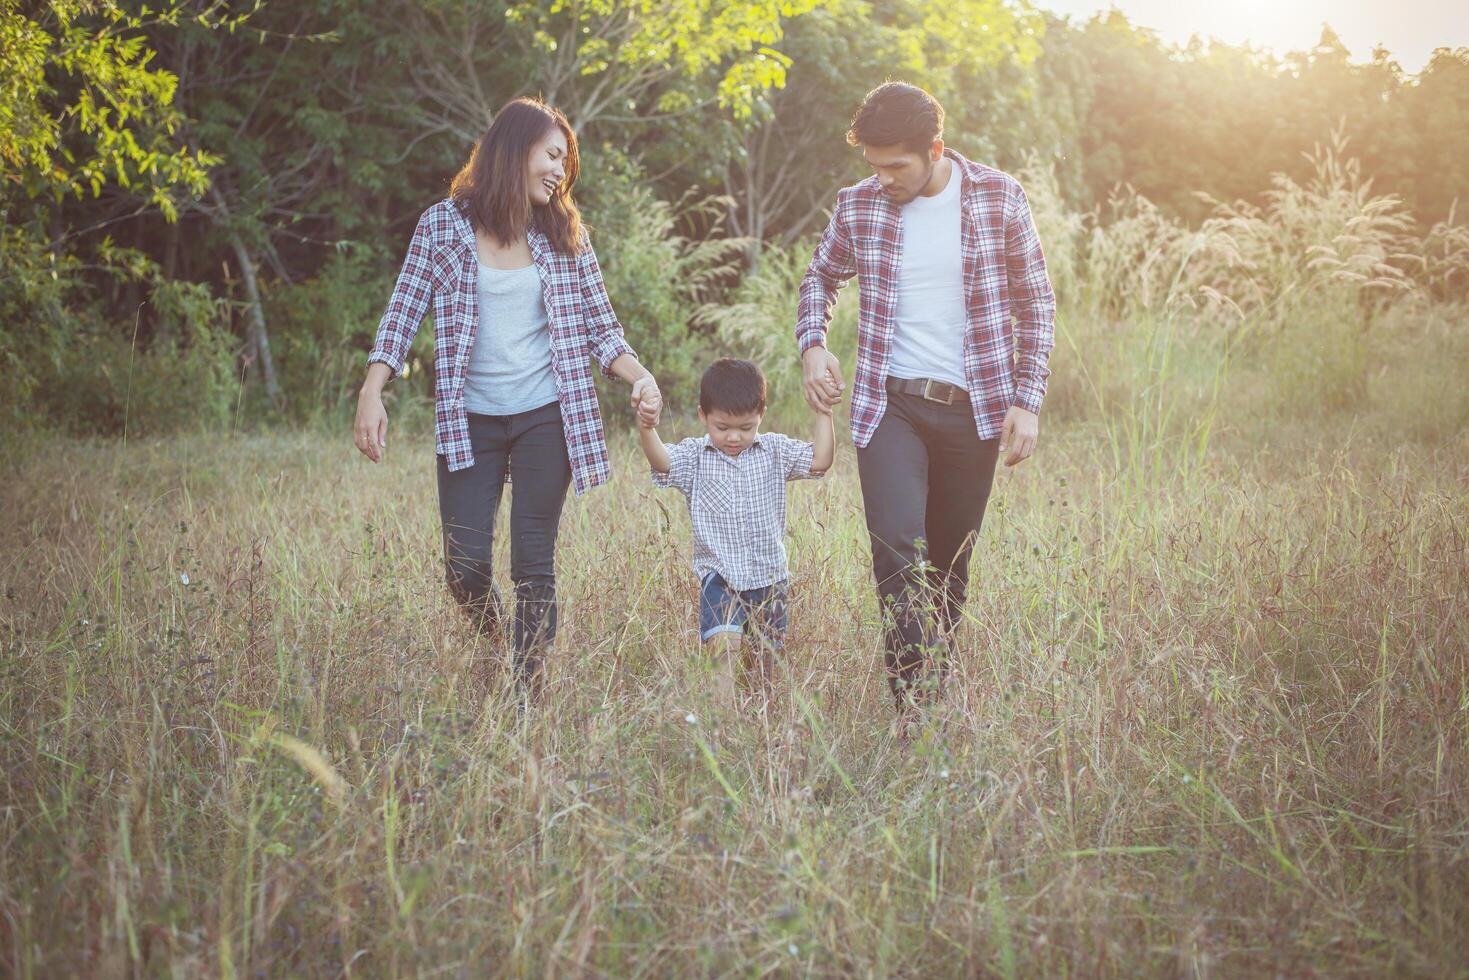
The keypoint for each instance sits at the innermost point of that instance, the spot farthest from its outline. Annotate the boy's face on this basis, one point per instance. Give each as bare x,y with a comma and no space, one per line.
731,432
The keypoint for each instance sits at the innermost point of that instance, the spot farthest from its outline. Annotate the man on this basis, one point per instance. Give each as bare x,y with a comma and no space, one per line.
947,257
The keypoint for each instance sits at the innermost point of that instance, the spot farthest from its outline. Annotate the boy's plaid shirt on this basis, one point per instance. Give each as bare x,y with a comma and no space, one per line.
1004,278
737,504
440,275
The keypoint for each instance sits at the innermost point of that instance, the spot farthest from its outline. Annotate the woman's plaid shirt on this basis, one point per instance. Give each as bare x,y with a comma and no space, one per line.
440,276
1004,279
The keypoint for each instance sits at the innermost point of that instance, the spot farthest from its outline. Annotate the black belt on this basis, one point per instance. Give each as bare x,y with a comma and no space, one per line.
929,389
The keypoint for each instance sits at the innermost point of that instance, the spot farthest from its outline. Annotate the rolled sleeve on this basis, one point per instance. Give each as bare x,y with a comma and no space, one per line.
794,457
1033,303
603,328
683,463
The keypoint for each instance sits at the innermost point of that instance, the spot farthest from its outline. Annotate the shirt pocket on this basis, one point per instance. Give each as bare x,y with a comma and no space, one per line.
716,500
446,267
871,254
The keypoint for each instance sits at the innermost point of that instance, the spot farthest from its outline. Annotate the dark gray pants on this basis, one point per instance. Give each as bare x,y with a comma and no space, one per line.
531,447
926,478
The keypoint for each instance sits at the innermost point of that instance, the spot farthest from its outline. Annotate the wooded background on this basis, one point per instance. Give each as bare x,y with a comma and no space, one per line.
204,203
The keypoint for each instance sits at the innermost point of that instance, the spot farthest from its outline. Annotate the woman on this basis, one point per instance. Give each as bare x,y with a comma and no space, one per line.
505,267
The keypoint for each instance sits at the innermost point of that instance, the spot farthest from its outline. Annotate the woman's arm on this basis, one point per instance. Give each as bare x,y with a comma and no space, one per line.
609,346
395,332
603,328
409,303
370,429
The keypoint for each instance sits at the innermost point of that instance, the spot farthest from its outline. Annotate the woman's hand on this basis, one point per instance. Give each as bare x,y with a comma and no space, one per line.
370,430
647,401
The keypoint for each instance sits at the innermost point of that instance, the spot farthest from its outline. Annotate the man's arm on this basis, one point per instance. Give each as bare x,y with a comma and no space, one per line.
824,442
832,265
1034,306
1033,303
653,449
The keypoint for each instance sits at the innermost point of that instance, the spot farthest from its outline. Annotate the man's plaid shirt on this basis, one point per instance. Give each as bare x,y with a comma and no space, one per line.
440,276
1004,279
738,504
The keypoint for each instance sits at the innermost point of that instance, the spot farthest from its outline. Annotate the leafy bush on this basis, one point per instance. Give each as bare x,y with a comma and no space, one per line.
759,320
70,367
662,263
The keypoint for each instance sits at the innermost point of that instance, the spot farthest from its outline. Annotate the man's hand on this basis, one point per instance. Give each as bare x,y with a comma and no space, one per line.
823,377
647,400
1018,435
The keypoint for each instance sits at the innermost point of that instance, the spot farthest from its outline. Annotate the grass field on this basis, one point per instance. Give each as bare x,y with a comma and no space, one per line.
1210,717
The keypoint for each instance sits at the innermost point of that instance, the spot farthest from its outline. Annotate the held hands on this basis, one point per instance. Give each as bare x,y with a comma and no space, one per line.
647,400
1018,435
370,429
823,378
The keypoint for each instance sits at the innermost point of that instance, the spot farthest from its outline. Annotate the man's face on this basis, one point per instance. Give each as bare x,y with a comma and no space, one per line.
902,172
731,432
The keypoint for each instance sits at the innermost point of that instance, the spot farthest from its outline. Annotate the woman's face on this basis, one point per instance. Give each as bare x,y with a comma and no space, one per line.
547,167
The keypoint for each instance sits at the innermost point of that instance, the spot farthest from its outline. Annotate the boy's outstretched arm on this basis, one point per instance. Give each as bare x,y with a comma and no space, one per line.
653,448
823,443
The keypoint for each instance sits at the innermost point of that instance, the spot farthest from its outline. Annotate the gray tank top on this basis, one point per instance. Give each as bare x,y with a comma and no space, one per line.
509,369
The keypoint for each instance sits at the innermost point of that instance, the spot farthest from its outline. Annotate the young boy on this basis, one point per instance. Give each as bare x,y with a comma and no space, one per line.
734,478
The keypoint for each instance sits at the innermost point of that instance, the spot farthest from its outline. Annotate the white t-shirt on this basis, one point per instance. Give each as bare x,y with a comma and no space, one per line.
928,334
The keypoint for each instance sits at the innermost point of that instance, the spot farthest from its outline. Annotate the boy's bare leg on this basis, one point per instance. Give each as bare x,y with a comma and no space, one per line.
757,669
724,651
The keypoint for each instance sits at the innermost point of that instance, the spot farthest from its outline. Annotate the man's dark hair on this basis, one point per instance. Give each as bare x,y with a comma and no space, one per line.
897,113
732,386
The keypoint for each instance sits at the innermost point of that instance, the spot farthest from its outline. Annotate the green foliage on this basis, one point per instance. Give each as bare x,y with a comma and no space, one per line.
329,321
782,165
659,273
758,322
1328,242
69,366
81,107
35,320
308,136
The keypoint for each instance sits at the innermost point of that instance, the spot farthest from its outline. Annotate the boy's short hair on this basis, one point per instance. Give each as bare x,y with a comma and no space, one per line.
733,386
896,113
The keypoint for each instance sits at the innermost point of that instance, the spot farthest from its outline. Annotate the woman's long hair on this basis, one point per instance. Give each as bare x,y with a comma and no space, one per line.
491,188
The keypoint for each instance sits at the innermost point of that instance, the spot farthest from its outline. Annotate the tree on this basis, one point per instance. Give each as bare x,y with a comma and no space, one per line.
791,153
82,108
605,63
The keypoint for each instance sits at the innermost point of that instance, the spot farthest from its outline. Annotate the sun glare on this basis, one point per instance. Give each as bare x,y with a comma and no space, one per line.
1409,29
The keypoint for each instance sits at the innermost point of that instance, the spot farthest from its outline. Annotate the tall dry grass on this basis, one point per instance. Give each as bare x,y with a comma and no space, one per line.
1216,727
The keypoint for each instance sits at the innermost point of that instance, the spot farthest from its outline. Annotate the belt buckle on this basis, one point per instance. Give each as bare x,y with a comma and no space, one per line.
928,382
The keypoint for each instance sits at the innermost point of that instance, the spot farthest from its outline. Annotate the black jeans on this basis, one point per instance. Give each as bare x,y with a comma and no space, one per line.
926,478
531,447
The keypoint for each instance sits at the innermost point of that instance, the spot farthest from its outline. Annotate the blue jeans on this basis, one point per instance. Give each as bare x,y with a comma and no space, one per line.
759,613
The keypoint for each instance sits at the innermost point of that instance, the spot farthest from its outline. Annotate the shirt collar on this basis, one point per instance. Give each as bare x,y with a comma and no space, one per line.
968,171
709,444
